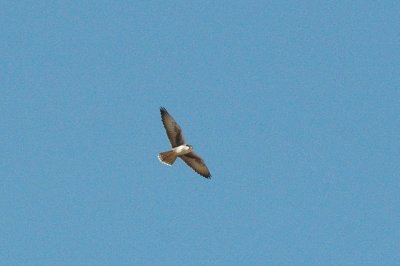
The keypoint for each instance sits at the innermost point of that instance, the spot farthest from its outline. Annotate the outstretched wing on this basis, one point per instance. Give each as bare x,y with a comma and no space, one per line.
174,132
196,163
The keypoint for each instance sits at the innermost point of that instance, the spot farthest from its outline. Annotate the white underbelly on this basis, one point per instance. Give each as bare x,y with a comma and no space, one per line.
181,150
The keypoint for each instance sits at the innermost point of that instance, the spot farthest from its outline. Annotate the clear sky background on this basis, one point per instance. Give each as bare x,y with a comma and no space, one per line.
294,107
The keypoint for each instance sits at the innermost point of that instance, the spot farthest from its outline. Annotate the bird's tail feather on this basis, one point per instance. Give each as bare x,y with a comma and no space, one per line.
167,157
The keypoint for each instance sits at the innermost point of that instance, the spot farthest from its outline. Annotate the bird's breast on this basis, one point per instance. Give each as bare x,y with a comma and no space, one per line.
181,150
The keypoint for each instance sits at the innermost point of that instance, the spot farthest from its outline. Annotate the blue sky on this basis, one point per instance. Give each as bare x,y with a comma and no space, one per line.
293,105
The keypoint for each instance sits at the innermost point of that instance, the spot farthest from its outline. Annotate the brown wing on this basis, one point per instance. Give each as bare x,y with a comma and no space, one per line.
196,163
174,132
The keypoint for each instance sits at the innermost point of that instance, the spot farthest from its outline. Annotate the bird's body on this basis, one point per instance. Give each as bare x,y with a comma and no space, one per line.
169,157
179,147
182,149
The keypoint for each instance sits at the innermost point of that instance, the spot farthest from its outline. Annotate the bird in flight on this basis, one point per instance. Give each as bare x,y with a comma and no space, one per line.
179,147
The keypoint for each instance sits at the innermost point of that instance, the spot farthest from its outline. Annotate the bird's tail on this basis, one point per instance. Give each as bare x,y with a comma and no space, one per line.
167,157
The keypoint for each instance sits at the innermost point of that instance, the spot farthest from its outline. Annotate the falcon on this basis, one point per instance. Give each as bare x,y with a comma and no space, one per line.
179,147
